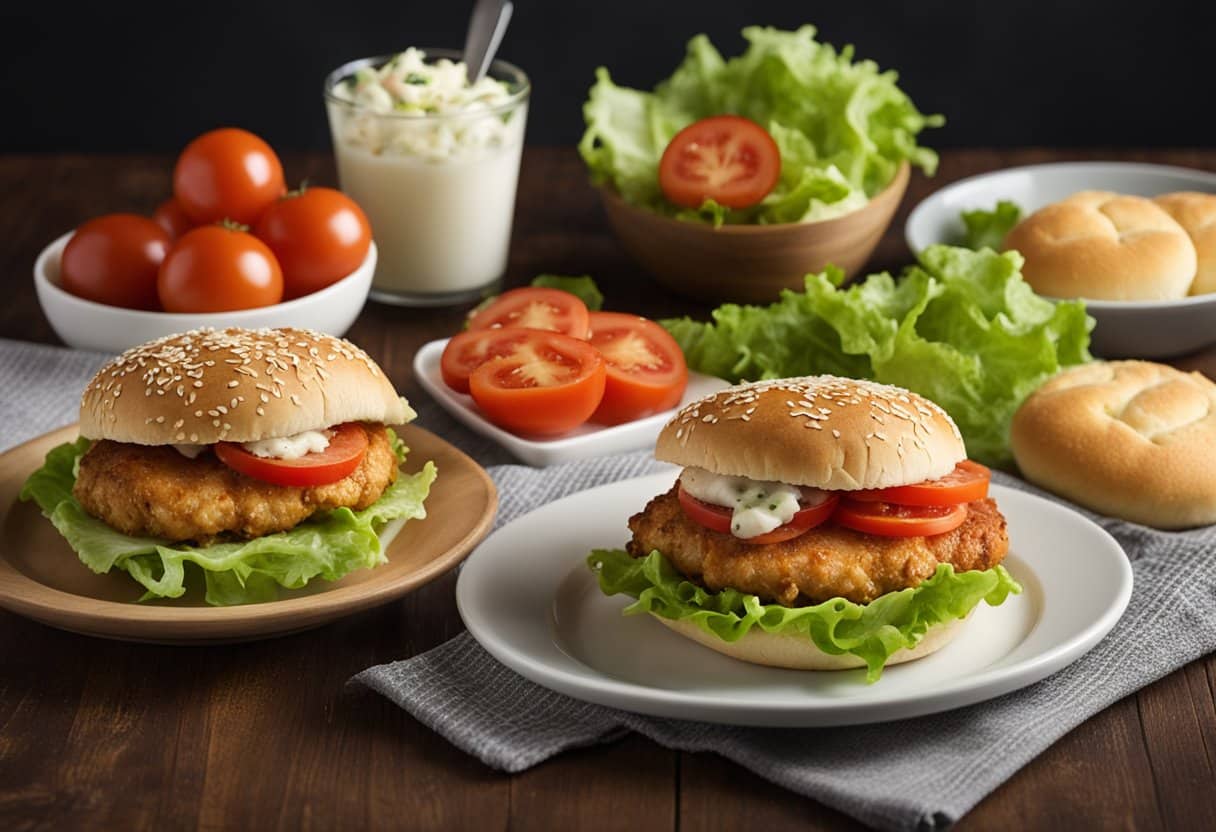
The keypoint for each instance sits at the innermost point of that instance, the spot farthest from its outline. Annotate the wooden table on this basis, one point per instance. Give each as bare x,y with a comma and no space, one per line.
102,734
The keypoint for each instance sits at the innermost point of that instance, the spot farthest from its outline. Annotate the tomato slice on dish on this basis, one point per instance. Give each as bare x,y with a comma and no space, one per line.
549,383
895,520
966,483
347,447
646,371
467,351
729,159
717,518
532,307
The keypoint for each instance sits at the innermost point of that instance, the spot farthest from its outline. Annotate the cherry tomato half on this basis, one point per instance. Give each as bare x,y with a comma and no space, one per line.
227,174
467,351
319,235
347,447
170,216
729,159
966,483
218,269
718,518
114,260
535,308
894,520
548,384
646,371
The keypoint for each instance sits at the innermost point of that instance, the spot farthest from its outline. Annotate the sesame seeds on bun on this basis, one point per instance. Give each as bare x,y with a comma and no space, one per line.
819,431
236,385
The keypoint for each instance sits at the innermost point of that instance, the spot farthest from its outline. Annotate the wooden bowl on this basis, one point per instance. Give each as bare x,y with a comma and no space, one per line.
750,263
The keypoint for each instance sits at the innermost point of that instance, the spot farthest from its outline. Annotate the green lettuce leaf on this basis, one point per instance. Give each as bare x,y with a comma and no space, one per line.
842,126
582,287
961,328
871,632
987,229
328,545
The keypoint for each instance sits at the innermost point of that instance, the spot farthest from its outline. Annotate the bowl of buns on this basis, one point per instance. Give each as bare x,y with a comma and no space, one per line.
1136,242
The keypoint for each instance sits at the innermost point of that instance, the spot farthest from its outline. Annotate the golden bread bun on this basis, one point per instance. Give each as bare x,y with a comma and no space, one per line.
821,431
236,385
1131,439
1105,246
1196,213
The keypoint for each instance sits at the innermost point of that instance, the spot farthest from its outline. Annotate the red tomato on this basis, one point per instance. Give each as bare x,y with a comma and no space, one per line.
114,259
718,518
170,216
467,351
646,371
219,269
966,483
548,384
227,174
894,520
535,308
347,447
319,235
729,159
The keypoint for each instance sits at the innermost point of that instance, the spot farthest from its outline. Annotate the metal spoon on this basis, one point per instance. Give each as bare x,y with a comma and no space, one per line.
487,25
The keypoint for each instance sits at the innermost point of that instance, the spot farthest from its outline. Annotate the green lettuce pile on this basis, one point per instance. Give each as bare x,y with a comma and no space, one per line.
843,127
872,632
328,545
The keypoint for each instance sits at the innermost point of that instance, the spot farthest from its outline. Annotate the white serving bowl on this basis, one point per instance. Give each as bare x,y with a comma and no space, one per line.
1135,329
87,325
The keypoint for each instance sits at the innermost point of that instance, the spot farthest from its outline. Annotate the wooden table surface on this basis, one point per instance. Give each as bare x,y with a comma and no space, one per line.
100,734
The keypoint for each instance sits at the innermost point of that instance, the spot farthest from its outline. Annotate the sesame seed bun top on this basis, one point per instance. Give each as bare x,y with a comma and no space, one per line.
236,385
825,432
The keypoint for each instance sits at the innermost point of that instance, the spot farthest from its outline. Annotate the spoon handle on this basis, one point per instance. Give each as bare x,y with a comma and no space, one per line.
487,25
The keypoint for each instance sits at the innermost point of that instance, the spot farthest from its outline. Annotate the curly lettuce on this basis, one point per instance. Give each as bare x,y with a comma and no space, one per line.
872,632
328,545
987,229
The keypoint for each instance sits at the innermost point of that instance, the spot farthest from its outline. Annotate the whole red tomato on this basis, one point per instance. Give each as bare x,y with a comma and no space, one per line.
319,235
219,269
227,174
170,216
114,260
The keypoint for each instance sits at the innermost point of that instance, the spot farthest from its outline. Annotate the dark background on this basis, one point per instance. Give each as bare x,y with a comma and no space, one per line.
147,77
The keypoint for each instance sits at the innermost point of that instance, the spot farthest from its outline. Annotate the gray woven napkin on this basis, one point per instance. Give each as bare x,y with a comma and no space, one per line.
922,773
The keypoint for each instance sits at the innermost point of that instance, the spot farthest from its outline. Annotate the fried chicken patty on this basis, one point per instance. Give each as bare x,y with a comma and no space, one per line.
152,490
827,562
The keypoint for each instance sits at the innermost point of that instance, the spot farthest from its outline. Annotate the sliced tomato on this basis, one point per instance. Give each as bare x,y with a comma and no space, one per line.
718,518
549,383
729,159
533,307
646,371
895,520
966,483
467,351
347,447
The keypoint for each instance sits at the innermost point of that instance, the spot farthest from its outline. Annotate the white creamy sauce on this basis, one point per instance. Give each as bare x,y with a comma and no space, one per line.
289,447
758,507
190,451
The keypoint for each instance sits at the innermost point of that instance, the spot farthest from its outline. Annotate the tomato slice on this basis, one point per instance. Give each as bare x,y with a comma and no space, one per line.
646,371
717,518
966,483
533,307
467,351
347,447
549,383
729,159
894,520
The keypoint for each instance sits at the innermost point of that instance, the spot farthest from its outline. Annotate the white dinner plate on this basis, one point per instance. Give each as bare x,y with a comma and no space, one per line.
584,441
528,597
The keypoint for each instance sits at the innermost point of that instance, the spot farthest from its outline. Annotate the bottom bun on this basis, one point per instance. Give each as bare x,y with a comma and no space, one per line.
799,653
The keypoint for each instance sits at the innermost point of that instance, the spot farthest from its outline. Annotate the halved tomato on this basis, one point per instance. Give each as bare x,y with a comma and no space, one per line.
718,518
895,520
467,351
729,159
549,383
966,483
347,447
646,371
532,307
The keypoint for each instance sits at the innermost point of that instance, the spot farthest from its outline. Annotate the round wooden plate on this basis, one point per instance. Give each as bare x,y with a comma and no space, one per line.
41,577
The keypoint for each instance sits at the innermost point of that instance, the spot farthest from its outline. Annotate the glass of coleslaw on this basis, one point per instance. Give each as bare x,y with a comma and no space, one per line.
433,160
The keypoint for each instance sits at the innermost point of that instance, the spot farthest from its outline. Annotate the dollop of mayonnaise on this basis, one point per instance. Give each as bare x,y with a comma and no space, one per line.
289,447
757,507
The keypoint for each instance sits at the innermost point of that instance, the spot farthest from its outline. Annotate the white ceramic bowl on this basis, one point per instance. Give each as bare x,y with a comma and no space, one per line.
1138,329
87,325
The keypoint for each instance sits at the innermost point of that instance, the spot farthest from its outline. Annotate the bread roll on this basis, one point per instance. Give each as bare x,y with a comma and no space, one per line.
1196,213
1104,246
